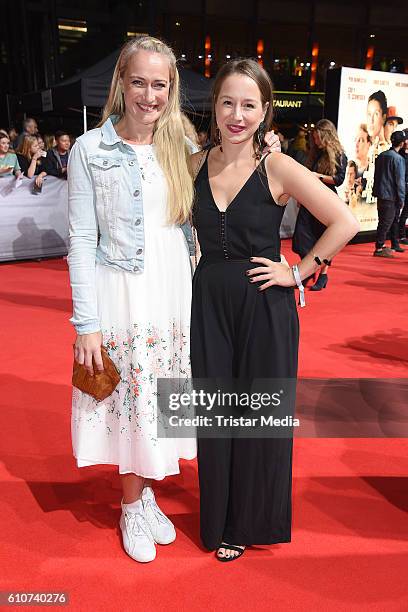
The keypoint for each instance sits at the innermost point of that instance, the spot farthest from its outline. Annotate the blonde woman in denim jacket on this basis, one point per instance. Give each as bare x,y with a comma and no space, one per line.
130,194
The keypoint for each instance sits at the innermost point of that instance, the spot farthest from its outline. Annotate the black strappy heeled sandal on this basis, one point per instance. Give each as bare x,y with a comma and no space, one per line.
237,549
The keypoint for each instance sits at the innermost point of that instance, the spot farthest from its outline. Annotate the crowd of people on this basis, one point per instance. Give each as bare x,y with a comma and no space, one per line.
378,172
32,155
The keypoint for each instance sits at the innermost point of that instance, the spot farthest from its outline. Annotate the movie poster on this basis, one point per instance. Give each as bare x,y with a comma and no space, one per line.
372,105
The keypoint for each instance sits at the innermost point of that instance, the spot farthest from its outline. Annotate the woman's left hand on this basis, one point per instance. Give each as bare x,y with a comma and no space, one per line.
274,273
272,142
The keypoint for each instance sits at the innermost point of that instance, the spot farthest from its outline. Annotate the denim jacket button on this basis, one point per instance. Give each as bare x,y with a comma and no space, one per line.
139,251
136,193
136,269
137,222
131,163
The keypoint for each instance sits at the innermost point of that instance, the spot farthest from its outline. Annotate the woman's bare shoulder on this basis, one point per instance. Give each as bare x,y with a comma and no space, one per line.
196,160
278,160
197,155
279,165
281,170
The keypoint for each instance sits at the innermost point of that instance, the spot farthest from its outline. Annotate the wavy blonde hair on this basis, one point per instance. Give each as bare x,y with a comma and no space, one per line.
328,156
168,135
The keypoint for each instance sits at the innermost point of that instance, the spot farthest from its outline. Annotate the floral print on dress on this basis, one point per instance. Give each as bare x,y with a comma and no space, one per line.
142,355
149,168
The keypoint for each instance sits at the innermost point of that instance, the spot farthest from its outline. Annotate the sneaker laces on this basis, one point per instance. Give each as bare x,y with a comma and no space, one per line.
157,513
136,524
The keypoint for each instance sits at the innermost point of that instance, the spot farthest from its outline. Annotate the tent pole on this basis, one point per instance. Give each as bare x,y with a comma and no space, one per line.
85,121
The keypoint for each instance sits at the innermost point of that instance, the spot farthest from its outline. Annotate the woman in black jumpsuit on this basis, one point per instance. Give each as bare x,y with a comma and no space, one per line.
239,332
243,328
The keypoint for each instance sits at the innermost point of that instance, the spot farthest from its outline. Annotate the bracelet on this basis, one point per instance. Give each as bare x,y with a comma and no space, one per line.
298,281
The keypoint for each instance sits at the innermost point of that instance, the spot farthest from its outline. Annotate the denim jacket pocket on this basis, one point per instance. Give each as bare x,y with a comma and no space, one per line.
106,176
105,170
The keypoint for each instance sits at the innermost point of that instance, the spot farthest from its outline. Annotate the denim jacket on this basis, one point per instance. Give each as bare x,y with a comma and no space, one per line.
389,176
105,217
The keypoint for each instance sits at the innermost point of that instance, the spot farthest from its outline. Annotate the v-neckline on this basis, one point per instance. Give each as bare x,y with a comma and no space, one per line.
238,192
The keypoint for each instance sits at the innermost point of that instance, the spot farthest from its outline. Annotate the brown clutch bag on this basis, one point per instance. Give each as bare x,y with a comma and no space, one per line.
101,384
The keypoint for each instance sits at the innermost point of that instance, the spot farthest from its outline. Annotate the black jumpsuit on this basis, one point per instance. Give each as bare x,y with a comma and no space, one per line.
237,331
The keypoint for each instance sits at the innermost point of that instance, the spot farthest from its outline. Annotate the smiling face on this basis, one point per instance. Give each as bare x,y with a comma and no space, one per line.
146,86
4,145
375,118
239,109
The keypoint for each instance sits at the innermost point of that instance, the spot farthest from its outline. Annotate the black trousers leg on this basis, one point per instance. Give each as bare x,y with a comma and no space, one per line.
394,230
214,460
386,217
260,504
211,361
403,219
245,483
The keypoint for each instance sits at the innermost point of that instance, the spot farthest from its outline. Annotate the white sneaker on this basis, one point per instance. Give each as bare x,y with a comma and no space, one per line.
137,539
161,527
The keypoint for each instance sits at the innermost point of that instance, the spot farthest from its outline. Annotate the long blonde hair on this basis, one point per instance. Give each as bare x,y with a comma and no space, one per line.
25,147
189,130
168,136
328,156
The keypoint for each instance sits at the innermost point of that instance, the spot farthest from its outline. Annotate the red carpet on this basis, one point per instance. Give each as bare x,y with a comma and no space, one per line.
59,524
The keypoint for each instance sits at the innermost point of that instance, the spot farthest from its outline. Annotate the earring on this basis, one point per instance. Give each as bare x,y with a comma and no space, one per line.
218,138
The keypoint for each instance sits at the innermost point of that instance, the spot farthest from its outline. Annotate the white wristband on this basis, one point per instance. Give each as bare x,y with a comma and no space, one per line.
298,280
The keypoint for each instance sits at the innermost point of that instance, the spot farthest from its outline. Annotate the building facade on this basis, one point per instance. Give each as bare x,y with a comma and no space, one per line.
46,41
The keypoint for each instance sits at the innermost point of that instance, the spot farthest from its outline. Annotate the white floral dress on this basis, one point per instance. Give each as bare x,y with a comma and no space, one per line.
145,321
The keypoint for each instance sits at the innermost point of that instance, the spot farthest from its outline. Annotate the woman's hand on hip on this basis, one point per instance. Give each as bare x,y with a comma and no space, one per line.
87,349
274,273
